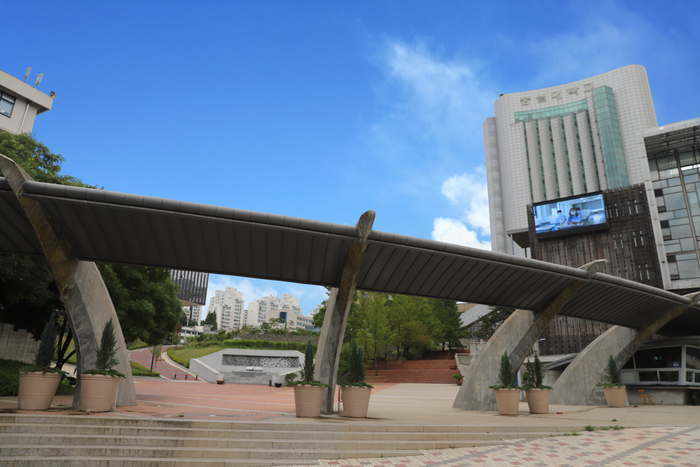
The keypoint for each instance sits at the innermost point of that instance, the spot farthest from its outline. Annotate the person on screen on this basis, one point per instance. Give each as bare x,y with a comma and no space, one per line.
559,218
574,218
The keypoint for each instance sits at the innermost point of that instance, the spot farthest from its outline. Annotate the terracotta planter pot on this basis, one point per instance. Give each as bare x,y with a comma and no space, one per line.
36,390
97,392
616,397
355,401
307,400
538,400
508,401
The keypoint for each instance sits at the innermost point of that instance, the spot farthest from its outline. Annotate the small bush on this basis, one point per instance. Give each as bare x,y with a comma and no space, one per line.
590,428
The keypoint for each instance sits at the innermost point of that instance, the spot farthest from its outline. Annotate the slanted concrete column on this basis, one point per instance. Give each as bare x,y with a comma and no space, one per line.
516,335
83,292
330,342
579,383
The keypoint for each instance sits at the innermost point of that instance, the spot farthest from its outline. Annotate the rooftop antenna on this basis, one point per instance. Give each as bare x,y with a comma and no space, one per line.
26,75
38,79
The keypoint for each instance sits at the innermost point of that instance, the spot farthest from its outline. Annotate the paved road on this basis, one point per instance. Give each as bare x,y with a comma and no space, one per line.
166,370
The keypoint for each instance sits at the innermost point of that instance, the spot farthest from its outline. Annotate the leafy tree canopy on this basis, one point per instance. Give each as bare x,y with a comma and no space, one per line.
145,298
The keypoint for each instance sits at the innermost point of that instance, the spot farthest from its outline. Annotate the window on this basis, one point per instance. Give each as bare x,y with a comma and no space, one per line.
7,103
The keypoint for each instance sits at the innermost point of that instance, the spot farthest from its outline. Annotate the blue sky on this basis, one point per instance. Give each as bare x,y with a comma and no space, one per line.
323,110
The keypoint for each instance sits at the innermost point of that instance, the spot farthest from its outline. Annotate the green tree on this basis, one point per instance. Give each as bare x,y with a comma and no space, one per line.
211,319
490,322
449,329
145,300
28,294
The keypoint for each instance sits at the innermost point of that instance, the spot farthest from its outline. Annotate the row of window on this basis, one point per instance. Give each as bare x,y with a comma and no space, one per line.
677,365
676,182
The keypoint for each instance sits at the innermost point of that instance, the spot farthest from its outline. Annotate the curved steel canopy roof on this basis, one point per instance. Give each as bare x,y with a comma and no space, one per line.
115,227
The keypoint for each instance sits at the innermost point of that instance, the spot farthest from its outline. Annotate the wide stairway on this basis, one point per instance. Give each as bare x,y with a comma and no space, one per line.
30,440
437,368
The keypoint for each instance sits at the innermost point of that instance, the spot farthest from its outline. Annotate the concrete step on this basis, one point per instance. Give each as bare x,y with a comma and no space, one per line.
72,461
307,453
56,440
428,441
76,431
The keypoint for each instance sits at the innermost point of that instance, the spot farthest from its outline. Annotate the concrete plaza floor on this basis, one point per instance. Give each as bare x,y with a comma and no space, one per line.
652,435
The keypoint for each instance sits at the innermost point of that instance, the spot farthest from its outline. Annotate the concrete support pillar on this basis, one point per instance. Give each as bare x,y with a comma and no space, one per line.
516,335
574,152
83,292
330,342
589,167
550,177
597,148
533,155
579,383
560,157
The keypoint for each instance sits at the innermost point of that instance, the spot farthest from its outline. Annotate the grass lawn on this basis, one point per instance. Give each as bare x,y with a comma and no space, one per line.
140,370
183,355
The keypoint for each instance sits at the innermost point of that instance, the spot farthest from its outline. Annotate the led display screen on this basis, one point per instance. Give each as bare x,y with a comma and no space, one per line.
568,216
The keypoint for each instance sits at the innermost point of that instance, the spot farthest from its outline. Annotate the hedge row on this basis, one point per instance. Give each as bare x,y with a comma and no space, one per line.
264,345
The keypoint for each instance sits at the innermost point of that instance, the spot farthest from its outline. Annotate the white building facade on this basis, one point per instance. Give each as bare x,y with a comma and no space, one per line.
565,140
228,305
20,103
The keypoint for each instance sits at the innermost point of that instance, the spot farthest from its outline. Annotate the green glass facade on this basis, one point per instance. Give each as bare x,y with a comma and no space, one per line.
676,179
550,112
610,138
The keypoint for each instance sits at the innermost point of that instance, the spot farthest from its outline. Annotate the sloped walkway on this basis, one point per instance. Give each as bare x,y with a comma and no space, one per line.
166,370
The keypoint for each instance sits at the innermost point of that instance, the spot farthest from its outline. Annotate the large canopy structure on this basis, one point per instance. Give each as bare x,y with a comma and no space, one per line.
113,227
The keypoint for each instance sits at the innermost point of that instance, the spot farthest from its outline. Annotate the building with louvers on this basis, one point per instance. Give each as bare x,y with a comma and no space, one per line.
596,136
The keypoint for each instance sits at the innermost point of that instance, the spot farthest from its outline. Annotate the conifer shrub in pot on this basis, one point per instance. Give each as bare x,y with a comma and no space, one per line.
99,385
38,382
507,394
356,391
615,392
308,393
533,383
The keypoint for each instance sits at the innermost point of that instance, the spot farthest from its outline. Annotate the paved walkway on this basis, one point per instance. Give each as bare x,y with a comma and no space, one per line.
144,357
652,435
665,447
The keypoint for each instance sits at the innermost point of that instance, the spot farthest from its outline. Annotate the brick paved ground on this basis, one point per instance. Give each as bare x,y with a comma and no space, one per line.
664,447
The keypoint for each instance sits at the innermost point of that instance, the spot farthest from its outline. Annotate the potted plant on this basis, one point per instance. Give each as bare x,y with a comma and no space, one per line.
507,394
615,392
535,390
356,390
99,385
459,378
38,382
308,393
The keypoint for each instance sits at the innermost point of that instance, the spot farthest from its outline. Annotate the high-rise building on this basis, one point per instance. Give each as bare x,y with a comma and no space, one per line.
228,305
193,313
193,286
285,309
592,149
561,141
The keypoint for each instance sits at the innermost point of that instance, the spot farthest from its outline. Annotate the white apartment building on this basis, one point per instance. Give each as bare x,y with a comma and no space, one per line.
286,308
20,103
193,313
228,305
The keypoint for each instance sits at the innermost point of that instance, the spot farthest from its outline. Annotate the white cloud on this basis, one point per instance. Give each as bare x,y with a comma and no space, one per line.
454,231
432,105
470,192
